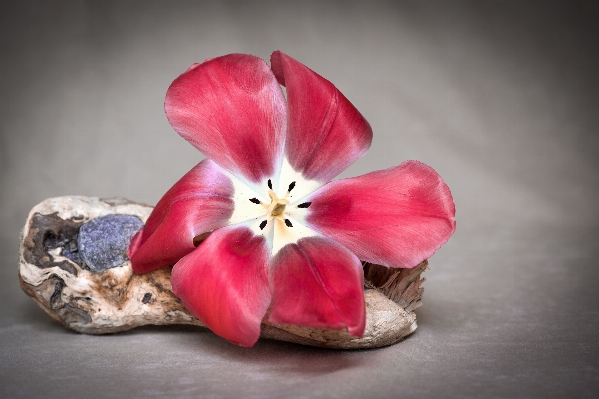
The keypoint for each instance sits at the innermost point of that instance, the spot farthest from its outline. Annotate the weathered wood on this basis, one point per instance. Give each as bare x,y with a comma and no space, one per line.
54,274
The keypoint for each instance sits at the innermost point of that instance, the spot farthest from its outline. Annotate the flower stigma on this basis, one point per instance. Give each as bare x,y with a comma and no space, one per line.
277,205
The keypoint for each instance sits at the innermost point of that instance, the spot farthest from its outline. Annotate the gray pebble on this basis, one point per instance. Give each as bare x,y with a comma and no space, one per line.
103,241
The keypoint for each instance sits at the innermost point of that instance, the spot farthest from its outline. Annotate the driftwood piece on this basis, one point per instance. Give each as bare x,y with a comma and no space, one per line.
94,300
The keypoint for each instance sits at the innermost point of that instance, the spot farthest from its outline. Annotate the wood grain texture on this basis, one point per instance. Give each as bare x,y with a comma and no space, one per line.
52,273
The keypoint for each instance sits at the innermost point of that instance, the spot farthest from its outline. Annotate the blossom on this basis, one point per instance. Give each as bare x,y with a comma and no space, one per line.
281,236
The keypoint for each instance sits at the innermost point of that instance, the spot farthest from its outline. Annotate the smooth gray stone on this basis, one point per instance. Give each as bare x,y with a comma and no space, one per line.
103,241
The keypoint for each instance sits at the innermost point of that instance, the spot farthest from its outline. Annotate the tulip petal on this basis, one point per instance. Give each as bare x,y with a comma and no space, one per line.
232,109
224,283
318,283
325,132
395,217
199,202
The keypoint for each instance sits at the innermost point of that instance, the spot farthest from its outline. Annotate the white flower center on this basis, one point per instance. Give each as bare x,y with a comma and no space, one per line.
279,219
277,207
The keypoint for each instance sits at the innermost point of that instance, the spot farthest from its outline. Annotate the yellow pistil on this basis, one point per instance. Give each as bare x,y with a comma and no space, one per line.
277,206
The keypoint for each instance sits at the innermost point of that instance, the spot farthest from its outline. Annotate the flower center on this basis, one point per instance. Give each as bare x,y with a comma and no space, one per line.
276,209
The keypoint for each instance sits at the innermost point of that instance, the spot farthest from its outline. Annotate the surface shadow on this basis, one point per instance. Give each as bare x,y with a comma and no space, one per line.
265,355
28,312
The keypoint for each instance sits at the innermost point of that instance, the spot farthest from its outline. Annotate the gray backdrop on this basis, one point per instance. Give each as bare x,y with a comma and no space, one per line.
501,98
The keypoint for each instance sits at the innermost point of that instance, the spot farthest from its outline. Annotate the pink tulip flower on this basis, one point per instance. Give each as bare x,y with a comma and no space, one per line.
281,236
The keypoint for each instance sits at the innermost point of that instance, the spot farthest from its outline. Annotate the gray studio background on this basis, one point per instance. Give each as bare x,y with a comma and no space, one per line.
500,97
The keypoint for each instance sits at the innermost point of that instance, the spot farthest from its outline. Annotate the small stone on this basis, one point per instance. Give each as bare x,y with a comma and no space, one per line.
103,241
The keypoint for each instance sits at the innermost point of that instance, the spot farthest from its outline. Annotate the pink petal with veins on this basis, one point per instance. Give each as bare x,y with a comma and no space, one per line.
318,283
395,217
224,283
199,202
232,109
325,132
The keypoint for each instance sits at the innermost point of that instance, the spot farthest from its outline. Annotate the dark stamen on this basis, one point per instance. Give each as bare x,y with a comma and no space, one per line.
269,184
304,205
288,223
291,186
255,200
263,225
